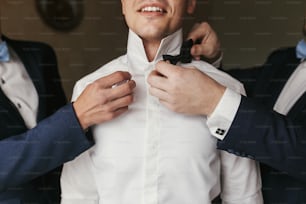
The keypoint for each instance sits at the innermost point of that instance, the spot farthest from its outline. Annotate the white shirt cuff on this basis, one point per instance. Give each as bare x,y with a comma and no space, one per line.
217,63
222,117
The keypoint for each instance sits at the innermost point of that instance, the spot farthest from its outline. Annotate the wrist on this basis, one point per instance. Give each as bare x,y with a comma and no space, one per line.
213,58
220,120
81,117
218,94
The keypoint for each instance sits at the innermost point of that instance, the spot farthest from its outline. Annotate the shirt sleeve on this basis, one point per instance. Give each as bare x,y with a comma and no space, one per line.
77,181
241,180
222,117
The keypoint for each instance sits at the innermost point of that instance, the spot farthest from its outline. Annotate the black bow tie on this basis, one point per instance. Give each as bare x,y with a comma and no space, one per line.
184,56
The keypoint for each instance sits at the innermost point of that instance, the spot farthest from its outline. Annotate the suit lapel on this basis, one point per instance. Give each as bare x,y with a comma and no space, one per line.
299,107
283,74
298,111
274,77
279,81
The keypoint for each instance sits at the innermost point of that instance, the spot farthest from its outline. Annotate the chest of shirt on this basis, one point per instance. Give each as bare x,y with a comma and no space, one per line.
147,119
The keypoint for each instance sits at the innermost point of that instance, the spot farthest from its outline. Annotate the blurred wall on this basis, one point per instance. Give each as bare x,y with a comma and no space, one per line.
251,29
100,37
248,29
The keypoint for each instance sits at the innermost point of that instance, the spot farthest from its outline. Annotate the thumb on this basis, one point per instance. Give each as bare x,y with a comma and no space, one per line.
166,69
197,50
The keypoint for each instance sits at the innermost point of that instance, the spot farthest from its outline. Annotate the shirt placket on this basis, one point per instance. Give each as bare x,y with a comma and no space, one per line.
152,135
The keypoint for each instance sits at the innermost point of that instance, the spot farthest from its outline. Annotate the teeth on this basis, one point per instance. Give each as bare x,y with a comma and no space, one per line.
152,9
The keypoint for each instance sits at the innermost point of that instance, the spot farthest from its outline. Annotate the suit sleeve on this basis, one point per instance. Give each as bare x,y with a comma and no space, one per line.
55,140
268,137
248,77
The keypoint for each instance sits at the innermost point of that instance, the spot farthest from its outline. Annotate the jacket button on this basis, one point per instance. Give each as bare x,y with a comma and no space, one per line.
2,81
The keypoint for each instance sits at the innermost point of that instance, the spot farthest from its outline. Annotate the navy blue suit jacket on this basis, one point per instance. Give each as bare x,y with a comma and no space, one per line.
29,158
278,142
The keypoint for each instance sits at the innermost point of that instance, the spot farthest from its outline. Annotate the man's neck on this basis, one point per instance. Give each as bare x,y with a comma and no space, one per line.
152,45
151,48
149,51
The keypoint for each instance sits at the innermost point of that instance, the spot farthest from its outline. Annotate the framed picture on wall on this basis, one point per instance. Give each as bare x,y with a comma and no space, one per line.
62,15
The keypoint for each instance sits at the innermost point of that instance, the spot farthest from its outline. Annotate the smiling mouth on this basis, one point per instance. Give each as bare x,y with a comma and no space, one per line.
152,9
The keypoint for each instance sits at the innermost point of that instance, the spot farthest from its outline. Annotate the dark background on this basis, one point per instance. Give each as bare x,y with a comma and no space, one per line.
248,30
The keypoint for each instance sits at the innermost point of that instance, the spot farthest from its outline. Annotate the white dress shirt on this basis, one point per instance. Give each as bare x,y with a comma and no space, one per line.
151,155
19,88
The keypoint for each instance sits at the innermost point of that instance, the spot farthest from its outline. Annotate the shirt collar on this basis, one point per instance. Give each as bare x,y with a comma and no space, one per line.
169,45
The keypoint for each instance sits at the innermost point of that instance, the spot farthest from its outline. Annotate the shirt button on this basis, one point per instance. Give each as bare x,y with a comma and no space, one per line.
2,81
18,105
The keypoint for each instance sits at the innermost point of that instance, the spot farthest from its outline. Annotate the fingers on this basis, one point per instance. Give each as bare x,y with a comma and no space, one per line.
155,79
199,32
121,90
160,94
207,45
117,104
118,112
209,51
100,102
100,117
197,51
113,79
111,115
166,69
163,75
111,109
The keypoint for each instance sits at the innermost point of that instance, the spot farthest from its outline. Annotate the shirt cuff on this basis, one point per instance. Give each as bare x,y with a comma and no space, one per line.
222,117
217,63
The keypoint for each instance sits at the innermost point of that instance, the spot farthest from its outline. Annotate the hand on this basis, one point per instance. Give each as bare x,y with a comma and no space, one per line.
102,101
185,90
209,46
